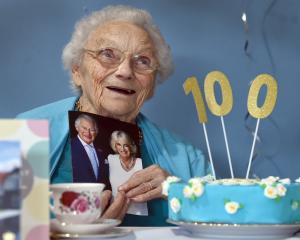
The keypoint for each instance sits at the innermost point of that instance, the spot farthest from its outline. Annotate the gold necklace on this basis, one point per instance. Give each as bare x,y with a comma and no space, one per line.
78,106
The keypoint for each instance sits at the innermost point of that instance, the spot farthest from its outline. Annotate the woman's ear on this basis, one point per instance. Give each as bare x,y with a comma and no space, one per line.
76,75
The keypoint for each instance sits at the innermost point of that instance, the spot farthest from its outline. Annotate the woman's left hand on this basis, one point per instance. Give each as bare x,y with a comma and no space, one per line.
145,184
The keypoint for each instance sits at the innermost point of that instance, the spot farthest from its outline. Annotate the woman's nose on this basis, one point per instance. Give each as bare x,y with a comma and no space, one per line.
125,70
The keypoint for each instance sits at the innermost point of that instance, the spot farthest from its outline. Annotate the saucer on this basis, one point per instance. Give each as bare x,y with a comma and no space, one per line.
92,228
110,233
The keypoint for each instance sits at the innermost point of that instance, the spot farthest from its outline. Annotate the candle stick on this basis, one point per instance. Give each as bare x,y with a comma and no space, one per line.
252,148
227,148
209,152
215,108
263,111
191,85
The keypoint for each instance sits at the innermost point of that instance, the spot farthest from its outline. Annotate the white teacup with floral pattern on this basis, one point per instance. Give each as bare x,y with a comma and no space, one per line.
76,203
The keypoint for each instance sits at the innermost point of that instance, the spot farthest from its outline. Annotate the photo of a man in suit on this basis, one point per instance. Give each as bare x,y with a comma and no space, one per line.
88,160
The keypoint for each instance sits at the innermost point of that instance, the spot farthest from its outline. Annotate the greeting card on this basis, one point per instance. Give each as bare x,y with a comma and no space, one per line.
32,136
105,150
10,197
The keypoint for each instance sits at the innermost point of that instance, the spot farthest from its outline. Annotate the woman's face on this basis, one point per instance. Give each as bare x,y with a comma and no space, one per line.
118,91
123,148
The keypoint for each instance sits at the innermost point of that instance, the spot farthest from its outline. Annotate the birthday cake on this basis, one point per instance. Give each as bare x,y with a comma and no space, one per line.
234,201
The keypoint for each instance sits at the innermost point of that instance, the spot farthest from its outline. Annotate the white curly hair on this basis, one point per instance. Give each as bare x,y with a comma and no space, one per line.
72,52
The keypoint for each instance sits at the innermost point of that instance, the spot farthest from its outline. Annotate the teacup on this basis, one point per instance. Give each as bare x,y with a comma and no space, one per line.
77,203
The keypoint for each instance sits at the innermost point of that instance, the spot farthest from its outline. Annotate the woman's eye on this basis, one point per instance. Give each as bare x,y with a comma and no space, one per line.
107,53
143,61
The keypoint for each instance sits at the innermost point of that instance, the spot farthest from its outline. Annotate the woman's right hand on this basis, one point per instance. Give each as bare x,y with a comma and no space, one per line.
117,209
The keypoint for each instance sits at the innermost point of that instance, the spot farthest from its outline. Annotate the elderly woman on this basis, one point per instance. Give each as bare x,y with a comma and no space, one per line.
123,164
116,57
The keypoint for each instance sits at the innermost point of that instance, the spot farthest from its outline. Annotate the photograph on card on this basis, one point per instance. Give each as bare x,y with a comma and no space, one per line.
10,197
105,150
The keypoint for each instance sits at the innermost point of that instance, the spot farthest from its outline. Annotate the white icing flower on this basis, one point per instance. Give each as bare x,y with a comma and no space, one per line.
165,188
198,190
194,189
295,205
187,191
175,205
270,192
269,180
172,179
297,180
167,182
232,207
281,190
285,181
195,181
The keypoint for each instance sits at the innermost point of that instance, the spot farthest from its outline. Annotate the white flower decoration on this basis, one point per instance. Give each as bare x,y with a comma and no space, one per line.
187,191
198,190
281,190
285,181
165,188
194,189
167,182
175,205
295,205
297,180
270,192
195,181
269,180
232,207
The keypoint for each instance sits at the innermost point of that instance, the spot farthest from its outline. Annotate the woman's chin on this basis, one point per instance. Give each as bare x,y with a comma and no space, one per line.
119,112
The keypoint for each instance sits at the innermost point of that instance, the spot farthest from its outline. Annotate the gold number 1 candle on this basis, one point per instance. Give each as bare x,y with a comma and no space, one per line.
191,86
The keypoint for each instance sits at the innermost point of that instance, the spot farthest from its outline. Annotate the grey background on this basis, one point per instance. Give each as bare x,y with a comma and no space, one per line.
205,35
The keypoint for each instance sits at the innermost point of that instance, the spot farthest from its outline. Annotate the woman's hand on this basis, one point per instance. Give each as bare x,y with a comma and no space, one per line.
118,207
145,184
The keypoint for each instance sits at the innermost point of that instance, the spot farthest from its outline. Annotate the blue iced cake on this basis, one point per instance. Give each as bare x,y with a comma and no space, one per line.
235,201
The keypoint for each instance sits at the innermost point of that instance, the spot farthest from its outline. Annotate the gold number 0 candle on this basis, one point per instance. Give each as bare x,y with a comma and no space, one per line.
263,111
270,101
226,105
227,99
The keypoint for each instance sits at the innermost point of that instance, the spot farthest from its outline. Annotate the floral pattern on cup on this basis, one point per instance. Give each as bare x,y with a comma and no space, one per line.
175,205
74,202
232,207
194,189
167,182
